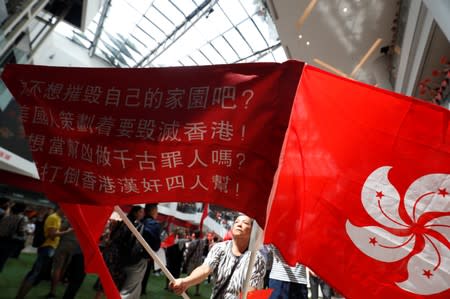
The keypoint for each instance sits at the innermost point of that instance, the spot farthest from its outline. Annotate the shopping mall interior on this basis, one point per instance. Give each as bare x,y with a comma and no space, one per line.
402,46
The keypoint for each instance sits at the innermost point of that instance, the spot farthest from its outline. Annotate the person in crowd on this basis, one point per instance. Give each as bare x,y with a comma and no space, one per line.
63,255
75,274
12,233
29,231
174,255
228,263
39,221
135,262
314,282
286,281
212,240
267,253
124,257
4,207
45,252
194,255
152,234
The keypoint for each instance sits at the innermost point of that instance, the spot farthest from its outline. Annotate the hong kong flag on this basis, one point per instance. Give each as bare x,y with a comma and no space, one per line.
363,190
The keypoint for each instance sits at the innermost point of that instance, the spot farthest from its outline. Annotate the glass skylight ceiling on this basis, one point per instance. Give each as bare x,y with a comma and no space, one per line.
141,33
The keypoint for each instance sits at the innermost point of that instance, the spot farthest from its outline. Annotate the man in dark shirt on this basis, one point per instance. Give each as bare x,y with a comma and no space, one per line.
151,234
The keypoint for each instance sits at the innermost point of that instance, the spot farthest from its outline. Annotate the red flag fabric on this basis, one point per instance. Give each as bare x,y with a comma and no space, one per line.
88,223
259,294
105,137
169,241
362,192
123,136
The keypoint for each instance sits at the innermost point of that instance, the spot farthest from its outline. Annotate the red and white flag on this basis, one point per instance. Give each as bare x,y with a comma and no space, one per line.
362,195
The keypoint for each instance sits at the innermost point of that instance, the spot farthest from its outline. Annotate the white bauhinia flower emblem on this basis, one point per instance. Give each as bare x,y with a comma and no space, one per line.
417,228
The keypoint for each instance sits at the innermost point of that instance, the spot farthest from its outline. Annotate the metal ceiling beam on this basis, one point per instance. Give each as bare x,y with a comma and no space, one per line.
99,29
260,53
18,23
49,26
179,31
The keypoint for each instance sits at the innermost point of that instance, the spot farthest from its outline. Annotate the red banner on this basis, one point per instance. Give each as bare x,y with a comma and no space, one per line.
102,137
122,136
362,196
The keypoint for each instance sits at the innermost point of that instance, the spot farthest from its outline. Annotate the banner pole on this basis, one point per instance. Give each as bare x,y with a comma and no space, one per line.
255,243
146,246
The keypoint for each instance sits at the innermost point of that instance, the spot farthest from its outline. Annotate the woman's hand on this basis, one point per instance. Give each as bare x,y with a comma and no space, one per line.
178,286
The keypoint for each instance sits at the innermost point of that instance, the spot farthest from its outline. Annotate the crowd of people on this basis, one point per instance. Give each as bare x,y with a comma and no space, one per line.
190,257
59,255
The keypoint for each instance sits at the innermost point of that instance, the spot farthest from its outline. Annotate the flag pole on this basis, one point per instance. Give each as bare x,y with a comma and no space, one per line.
255,243
146,246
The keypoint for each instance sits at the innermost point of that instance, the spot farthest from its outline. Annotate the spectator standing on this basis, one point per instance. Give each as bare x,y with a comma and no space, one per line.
152,234
194,255
12,233
314,282
4,207
45,252
286,281
174,256
63,256
75,274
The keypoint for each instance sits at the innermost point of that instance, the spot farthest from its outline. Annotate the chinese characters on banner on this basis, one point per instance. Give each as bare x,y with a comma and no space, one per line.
102,137
122,136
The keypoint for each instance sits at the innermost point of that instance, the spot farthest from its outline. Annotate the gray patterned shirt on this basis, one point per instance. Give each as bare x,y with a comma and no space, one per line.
221,260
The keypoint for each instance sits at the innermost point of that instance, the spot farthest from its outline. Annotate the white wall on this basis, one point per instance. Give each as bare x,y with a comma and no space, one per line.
57,50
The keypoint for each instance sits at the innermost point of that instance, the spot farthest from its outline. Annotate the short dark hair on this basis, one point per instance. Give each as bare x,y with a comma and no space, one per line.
133,212
4,201
150,206
196,234
18,208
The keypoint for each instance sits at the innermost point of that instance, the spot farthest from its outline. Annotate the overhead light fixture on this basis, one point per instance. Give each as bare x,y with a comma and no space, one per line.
307,43
300,36
345,9
369,53
305,14
329,67
363,60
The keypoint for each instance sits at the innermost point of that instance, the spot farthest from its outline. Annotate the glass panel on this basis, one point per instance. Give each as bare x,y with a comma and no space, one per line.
199,58
252,35
238,44
138,5
213,25
121,17
212,54
233,10
279,54
160,21
186,6
267,28
145,40
251,6
149,28
167,8
225,34
225,50
187,44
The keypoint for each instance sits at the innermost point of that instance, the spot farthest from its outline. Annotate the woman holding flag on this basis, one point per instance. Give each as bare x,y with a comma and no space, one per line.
227,262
